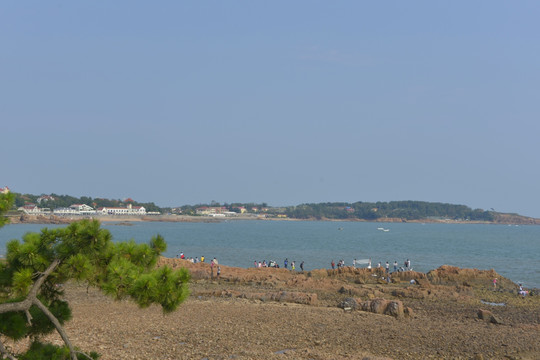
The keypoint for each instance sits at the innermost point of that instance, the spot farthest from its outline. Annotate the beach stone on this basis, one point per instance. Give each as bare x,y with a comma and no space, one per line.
408,312
395,309
488,316
348,303
378,306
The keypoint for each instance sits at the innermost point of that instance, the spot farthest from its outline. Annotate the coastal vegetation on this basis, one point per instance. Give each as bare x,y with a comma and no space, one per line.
6,202
34,271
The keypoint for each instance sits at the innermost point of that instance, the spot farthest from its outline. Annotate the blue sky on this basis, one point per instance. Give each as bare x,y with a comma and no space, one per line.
283,102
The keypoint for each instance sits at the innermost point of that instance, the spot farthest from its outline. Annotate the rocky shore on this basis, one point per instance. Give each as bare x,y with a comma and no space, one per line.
348,313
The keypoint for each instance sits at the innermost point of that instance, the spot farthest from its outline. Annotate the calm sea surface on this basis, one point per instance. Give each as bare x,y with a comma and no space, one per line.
513,251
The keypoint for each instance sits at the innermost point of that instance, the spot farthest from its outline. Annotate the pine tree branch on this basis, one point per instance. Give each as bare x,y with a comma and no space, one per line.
28,317
31,299
85,355
57,325
25,304
39,282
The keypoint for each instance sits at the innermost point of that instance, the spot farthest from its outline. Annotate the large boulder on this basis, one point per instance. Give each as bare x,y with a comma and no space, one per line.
488,316
378,306
393,308
348,304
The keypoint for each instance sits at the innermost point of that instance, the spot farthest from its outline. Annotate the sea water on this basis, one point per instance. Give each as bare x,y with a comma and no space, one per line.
512,251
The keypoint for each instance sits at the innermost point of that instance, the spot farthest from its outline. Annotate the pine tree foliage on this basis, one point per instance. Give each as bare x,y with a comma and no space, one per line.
31,275
6,202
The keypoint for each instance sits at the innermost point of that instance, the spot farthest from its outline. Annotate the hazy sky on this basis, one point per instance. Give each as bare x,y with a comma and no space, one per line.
283,102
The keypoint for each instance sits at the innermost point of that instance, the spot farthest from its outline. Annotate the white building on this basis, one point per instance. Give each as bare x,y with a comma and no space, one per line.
65,211
32,209
129,210
76,210
83,209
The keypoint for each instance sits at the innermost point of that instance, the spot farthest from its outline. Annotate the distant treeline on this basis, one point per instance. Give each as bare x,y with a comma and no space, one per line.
407,210
54,201
232,207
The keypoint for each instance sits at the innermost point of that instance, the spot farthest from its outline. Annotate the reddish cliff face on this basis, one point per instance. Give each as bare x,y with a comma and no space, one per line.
514,219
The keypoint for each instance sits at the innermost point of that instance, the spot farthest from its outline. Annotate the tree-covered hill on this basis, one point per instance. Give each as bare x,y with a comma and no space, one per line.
406,210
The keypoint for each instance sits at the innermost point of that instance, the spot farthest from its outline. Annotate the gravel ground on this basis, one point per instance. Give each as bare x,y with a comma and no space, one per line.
214,327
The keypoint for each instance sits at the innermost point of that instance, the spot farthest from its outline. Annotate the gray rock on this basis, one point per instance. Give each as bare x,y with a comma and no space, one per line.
348,303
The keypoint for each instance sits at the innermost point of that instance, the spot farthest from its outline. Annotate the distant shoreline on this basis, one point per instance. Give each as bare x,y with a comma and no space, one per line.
39,219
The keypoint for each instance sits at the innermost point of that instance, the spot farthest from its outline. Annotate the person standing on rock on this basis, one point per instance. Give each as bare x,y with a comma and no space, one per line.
495,284
387,267
218,271
395,265
285,262
333,264
302,266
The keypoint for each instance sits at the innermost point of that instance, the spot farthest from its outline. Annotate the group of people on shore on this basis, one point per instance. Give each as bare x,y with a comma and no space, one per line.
195,260
340,264
191,259
292,264
274,264
522,292
406,265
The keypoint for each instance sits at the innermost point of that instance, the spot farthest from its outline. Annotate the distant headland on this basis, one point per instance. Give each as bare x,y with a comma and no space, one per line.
53,208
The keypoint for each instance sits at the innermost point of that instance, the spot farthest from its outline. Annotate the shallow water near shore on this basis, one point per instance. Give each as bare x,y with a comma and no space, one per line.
512,251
